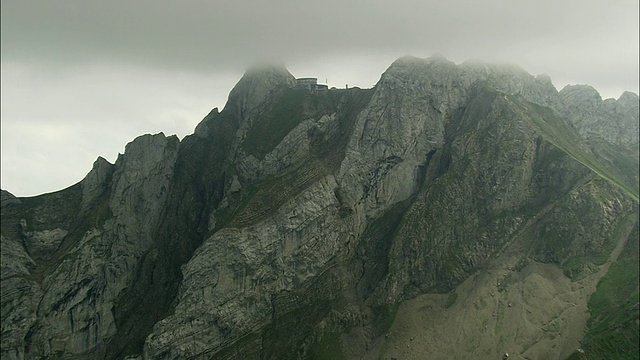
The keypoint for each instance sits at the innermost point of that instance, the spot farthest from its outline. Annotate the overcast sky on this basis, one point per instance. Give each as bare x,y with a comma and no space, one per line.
82,78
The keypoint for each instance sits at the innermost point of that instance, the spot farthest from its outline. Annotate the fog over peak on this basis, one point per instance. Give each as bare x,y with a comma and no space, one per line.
80,79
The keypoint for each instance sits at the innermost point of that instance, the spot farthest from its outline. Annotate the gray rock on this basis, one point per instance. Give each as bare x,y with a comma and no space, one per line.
96,182
76,297
615,122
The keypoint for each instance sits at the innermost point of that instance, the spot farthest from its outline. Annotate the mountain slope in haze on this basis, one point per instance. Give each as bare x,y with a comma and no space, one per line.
457,211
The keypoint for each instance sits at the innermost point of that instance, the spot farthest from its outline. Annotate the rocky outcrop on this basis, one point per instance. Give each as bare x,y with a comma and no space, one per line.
614,121
292,222
496,181
86,259
19,298
96,183
230,294
388,150
256,86
512,79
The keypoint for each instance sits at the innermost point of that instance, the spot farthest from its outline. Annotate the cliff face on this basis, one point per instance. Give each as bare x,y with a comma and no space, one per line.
615,121
297,224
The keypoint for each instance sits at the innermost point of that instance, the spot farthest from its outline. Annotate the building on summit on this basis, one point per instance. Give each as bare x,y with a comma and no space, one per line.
310,84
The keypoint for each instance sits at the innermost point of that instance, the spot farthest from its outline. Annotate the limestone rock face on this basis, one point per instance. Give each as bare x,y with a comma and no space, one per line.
229,283
19,298
478,205
615,121
382,166
512,79
293,223
96,182
70,299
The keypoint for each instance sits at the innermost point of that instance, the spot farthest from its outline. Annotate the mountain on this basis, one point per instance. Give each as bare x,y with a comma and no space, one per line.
452,211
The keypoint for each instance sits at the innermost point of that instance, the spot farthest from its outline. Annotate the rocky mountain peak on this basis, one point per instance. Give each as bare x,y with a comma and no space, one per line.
580,94
545,78
628,99
512,79
257,85
584,108
96,181
307,222
414,65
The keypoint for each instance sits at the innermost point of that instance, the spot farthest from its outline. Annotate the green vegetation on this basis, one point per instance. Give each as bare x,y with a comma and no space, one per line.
256,201
579,266
451,299
574,268
294,319
260,198
612,330
384,316
240,200
268,132
617,167
328,348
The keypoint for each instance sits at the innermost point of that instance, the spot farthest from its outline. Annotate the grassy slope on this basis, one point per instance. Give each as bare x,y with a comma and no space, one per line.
619,168
612,330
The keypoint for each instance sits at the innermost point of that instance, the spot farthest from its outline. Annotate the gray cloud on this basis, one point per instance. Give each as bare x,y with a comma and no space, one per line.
213,35
89,76
55,125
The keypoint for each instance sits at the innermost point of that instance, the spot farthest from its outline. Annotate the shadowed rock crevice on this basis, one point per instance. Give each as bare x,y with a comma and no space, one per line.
197,186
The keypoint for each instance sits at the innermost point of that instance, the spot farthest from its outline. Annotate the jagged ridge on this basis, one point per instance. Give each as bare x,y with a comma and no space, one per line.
295,222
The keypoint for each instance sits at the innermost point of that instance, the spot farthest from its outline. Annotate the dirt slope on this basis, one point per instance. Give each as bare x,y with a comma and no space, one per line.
530,311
